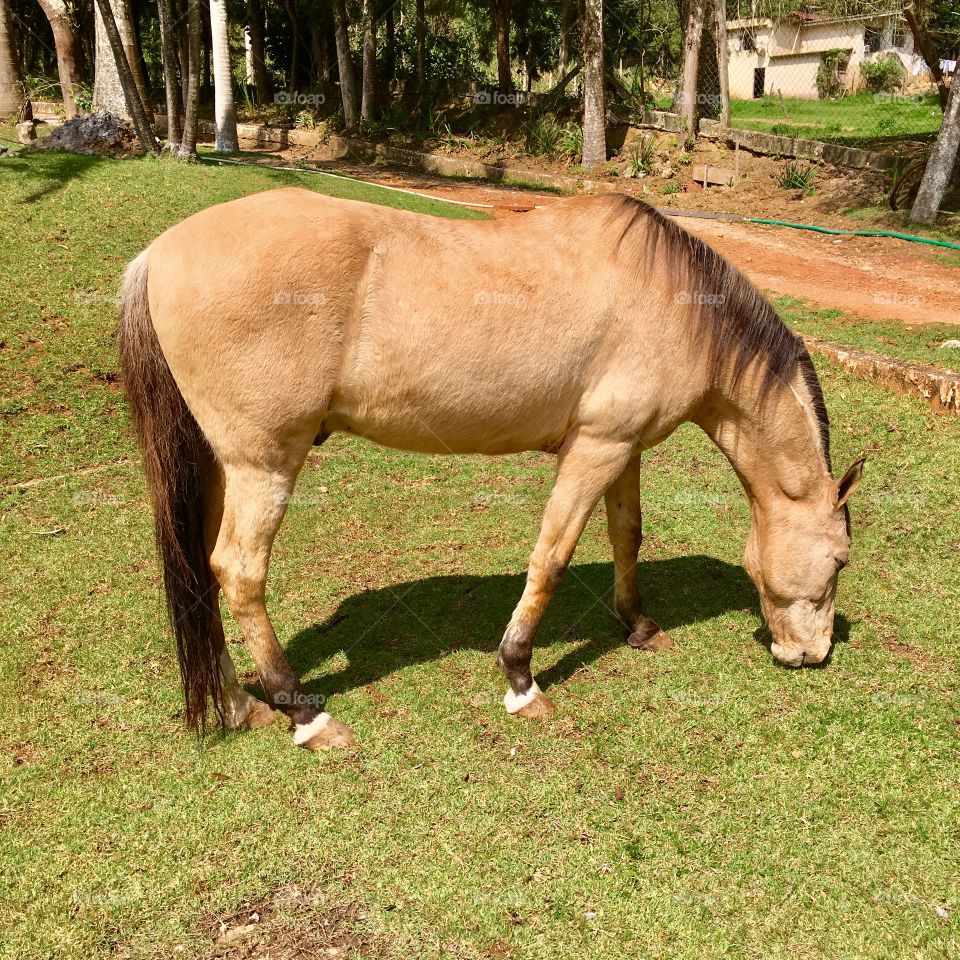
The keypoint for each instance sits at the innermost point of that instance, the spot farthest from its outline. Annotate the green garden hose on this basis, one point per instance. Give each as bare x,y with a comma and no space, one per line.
855,233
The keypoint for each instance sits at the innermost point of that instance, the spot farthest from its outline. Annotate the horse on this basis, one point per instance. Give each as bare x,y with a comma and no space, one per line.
590,329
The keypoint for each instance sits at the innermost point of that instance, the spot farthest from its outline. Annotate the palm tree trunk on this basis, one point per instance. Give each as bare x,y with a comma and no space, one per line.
107,89
564,52
348,88
501,13
723,60
255,21
594,106
421,45
685,102
369,82
188,144
67,43
11,83
135,107
225,110
939,167
170,85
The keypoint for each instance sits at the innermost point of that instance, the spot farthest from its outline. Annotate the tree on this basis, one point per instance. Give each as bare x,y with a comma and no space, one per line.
421,45
723,59
188,144
940,164
369,82
225,110
348,87
685,102
594,107
67,44
256,25
107,86
501,23
168,53
135,108
11,83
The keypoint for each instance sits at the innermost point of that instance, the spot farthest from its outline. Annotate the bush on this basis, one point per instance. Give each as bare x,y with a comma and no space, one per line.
795,176
543,135
828,73
883,75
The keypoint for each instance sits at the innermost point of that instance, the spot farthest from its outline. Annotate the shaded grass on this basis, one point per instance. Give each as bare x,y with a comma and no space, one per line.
918,343
700,803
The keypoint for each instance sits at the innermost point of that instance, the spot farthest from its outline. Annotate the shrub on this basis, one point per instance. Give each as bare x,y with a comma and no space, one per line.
883,75
671,187
642,155
797,176
828,73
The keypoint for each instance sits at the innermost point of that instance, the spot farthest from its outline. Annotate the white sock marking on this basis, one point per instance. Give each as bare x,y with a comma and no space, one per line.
307,731
514,702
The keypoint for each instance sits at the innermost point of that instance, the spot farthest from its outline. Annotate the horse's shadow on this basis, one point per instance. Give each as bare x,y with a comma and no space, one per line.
381,631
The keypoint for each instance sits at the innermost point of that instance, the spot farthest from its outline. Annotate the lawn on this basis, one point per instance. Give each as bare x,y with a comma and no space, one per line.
861,119
917,343
698,803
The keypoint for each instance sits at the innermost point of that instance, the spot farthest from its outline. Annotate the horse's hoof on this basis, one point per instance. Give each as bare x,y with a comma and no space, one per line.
650,637
533,705
258,715
323,733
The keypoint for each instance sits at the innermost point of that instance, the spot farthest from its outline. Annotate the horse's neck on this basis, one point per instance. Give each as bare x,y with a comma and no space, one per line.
775,447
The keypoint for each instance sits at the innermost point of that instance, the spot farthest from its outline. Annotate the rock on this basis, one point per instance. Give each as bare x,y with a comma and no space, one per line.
97,134
26,131
3,150
667,172
950,345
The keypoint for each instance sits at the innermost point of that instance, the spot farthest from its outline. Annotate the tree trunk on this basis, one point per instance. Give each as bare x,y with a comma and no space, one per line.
12,92
258,29
135,106
107,90
369,82
171,88
922,43
685,102
723,60
188,145
940,165
181,11
391,50
225,110
594,107
564,52
293,15
348,87
66,40
421,45
501,15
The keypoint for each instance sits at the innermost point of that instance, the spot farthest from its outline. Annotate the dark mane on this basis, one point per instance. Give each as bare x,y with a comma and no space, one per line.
736,325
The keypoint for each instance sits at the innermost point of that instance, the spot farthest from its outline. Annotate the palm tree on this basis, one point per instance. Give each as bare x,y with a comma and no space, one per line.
685,102
168,53
594,106
225,110
11,83
67,44
501,23
369,81
939,167
348,88
135,108
188,142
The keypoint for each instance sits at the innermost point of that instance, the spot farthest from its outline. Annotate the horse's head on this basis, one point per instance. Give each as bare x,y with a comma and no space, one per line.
793,556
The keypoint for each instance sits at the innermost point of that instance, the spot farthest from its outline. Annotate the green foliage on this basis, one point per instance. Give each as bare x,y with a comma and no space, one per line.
883,75
642,156
795,175
545,136
671,186
832,62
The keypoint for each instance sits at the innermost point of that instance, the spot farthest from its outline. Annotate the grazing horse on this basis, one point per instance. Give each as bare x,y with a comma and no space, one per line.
591,329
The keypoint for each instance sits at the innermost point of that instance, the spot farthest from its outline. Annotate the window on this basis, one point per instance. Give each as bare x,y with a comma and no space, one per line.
896,40
871,39
748,42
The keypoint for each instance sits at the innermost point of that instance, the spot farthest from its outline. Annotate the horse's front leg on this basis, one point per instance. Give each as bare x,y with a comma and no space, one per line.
586,467
625,528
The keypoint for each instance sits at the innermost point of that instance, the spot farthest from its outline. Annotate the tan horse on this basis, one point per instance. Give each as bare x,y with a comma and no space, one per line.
591,329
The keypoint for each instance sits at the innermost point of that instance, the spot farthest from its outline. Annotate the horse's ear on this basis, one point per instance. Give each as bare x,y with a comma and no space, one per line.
849,482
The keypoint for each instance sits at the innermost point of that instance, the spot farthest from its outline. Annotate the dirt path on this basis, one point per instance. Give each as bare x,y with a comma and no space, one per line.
872,277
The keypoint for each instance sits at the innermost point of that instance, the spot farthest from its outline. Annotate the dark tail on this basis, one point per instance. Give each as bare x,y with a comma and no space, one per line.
176,457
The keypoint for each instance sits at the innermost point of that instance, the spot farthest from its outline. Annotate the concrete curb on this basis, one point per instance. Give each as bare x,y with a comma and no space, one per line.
940,388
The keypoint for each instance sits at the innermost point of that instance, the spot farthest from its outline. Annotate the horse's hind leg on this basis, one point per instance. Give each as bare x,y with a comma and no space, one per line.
241,710
255,500
587,466
625,528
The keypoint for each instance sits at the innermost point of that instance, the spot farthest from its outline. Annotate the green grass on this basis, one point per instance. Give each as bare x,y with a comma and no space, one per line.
919,343
700,803
860,119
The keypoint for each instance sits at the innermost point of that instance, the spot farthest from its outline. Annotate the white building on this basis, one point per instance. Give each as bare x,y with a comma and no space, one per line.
783,56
